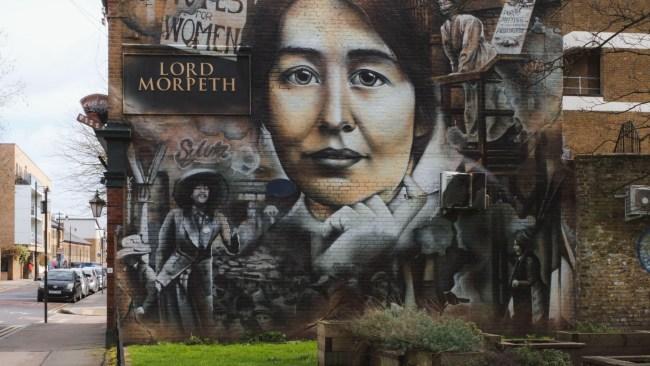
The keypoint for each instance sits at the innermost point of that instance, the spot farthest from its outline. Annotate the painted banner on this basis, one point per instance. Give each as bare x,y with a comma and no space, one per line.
510,33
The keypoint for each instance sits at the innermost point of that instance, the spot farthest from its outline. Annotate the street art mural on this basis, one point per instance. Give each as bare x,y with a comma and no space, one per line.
393,155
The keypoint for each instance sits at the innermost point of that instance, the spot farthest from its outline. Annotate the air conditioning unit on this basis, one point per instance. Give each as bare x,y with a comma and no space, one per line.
462,191
637,202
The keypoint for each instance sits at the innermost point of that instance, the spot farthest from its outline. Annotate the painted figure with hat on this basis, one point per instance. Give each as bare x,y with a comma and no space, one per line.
184,255
139,275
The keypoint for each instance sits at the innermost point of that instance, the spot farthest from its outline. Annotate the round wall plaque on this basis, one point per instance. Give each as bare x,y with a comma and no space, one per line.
643,250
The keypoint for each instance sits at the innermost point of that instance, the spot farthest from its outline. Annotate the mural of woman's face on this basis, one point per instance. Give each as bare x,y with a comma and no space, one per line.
200,194
341,109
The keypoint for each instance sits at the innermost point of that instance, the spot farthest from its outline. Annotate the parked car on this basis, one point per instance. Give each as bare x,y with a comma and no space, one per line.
83,264
62,284
85,290
89,273
101,279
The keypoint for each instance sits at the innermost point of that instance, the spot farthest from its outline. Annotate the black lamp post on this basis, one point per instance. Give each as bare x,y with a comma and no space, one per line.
97,205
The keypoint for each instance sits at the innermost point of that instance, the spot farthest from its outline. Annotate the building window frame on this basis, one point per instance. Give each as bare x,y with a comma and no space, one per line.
582,73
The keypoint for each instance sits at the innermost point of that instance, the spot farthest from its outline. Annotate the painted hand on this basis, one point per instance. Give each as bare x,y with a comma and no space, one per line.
366,230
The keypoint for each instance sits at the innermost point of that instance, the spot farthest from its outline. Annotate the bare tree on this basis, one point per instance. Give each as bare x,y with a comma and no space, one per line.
85,157
8,89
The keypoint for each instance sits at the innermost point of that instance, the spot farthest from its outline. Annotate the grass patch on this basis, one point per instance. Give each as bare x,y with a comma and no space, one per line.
283,354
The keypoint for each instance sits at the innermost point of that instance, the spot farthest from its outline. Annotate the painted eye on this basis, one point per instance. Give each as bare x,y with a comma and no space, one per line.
368,79
301,76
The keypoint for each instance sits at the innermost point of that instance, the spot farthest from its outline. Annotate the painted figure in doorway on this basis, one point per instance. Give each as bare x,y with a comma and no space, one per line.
526,284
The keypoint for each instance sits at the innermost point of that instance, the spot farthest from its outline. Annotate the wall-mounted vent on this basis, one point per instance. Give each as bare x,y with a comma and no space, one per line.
637,202
463,191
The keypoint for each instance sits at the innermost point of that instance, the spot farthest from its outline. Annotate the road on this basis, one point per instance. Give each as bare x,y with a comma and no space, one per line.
18,305
74,335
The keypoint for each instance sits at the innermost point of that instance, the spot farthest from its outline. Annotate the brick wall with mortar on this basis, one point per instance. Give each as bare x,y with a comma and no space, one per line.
612,287
623,75
7,193
150,131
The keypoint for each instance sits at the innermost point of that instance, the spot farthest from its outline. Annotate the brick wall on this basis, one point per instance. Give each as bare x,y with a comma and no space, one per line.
613,288
596,132
278,280
7,193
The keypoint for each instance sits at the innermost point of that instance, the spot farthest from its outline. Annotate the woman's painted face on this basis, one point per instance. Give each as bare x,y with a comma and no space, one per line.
342,110
200,194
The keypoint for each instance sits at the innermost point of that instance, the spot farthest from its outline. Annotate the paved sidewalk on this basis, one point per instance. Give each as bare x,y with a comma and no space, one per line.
10,285
69,339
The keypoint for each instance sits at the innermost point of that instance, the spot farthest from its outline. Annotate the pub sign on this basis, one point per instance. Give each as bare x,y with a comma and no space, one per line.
164,84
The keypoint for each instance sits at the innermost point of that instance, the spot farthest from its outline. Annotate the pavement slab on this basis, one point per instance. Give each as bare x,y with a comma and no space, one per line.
23,358
76,337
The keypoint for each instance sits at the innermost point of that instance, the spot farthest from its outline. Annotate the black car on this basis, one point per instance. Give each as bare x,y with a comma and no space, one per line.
63,284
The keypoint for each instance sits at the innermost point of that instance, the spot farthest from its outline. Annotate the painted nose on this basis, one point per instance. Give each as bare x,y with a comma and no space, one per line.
335,115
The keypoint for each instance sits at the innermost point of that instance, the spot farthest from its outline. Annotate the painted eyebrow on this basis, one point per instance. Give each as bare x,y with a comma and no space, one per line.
291,50
355,54
358,54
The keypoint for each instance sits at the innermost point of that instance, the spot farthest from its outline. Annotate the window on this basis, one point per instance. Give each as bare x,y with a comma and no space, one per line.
582,73
4,263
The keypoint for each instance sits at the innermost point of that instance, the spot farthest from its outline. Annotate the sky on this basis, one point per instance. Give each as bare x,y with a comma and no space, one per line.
59,53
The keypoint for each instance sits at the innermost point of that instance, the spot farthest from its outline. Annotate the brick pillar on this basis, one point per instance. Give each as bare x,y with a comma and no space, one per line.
115,212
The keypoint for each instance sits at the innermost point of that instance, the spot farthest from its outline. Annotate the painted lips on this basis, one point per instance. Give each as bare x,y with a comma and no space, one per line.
336,158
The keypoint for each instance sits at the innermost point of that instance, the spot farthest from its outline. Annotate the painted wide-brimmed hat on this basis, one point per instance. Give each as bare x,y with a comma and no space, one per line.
186,184
133,245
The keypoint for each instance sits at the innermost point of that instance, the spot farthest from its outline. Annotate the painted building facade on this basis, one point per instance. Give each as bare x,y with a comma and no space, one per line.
290,161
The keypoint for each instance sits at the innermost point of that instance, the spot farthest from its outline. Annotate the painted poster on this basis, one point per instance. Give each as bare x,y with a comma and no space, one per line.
510,33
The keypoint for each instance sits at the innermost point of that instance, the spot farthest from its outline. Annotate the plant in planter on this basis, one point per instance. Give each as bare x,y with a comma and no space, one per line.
413,334
523,356
591,327
601,339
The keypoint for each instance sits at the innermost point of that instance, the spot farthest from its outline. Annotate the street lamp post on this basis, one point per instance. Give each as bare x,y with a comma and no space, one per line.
97,204
67,219
45,236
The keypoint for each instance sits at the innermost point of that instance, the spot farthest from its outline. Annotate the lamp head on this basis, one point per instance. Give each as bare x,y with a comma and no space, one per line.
97,204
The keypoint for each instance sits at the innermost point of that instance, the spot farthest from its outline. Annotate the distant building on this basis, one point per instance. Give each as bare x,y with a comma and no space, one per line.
21,219
81,241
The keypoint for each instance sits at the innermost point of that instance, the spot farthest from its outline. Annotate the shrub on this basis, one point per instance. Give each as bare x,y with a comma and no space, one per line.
591,327
549,357
267,337
406,329
194,341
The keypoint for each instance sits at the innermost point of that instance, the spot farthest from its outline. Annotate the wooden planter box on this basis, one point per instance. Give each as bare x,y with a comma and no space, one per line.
491,342
338,347
540,344
616,361
619,340
607,344
422,358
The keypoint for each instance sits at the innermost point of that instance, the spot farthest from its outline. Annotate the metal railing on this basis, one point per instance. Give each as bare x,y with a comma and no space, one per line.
581,85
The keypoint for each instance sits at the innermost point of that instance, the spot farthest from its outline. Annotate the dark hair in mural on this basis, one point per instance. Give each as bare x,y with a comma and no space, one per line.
524,238
215,183
388,18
